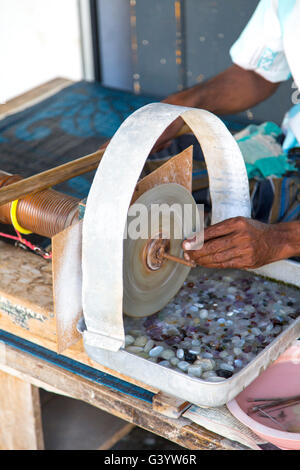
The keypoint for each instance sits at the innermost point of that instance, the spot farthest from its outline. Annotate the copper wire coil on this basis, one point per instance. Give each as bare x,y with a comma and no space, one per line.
46,213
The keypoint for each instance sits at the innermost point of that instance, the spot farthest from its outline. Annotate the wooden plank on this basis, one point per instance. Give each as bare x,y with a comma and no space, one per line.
51,177
168,405
221,421
20,415
67,284
181,431
26,292
34,96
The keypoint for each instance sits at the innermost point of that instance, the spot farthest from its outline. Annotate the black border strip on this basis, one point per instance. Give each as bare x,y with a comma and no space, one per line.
87,372
96,39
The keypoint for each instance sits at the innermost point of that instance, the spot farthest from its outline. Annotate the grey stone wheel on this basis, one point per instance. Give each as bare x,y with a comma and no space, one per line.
149,286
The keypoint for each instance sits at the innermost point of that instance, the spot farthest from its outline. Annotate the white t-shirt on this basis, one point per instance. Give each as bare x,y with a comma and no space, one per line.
270,46
270,43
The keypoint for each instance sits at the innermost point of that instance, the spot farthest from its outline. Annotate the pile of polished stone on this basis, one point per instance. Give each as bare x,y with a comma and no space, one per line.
217,323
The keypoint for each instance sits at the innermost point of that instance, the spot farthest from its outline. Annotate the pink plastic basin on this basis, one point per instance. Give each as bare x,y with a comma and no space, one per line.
281,379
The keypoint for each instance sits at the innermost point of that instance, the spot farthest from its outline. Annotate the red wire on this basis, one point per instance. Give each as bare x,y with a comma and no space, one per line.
27,243
5,235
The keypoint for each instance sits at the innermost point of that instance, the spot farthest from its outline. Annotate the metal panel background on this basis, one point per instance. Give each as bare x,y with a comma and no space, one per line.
115,43
157,50
175,44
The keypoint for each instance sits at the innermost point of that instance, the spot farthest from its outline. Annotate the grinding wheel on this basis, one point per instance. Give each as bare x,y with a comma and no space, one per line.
150,283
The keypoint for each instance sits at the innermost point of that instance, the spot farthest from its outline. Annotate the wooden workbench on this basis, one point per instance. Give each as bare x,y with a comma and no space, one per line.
26,311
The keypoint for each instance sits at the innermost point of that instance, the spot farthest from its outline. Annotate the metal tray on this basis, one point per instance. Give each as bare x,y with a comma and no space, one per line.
195,390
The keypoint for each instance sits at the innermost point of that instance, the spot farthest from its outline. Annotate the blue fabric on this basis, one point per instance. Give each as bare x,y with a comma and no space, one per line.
72,123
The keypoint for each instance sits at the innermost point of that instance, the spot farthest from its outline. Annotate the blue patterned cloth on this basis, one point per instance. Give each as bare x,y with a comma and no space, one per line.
72,123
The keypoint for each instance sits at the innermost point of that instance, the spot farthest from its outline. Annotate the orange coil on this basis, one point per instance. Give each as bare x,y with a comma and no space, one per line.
46,213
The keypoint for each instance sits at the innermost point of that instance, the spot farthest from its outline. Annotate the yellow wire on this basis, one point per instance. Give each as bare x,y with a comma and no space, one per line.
14,220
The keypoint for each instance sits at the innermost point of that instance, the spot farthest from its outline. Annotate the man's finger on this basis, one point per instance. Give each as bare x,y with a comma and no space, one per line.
222,228
214,246
213,258
213,231
237,263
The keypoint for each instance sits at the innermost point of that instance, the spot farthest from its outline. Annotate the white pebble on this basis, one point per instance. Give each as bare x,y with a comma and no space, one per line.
183,365
180,353
129,340
149,345
223,354
203,313
141,341
215,379
237,351
195,371
208,373
174,361
194,351
249,308
155,352
173,331
167,354
193,309
238,363
134,349
225,366
207,364
256,331
164,363
207,355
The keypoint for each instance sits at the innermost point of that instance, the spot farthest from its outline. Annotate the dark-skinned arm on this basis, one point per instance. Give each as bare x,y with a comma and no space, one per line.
245,243
232,91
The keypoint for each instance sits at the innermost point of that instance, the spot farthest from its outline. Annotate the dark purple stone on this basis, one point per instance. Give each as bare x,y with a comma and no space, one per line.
224,373
150,321
173,340
156,334
188,357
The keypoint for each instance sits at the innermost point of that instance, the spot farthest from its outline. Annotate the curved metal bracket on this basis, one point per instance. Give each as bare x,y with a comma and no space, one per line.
110,195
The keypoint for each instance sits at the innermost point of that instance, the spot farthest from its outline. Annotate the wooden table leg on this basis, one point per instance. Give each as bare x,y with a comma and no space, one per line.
20,415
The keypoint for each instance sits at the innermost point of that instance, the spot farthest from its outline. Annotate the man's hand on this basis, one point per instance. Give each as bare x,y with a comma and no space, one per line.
245,243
